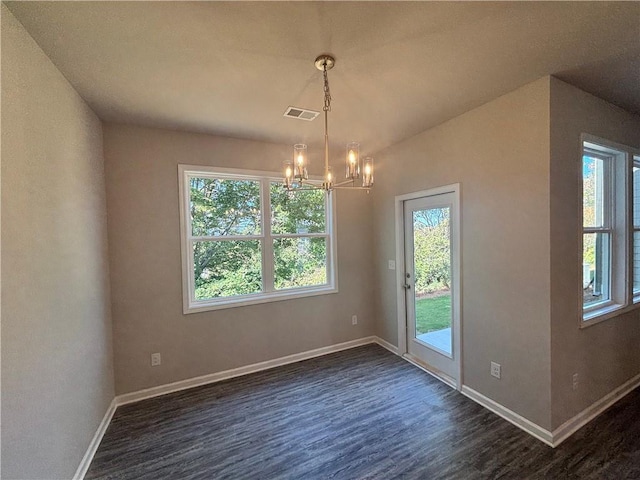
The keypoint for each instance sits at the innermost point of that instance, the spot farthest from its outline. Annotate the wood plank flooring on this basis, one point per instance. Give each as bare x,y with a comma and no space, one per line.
362,413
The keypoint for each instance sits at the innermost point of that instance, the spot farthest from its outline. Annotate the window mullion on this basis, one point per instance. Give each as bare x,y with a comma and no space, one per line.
597,230
223,238
299,235
191,269
267,240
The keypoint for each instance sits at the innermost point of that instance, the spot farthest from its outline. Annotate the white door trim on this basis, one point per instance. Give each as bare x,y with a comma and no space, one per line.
456,267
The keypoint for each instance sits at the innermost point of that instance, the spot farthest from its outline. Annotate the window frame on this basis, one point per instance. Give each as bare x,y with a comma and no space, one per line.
266,238
619,196
634,160
609,225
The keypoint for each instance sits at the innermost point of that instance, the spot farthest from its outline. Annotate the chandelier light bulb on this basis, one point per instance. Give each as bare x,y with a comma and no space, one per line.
328,179
300,159
353,160
288,174
367,177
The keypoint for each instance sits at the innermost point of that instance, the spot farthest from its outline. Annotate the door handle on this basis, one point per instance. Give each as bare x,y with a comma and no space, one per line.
406,286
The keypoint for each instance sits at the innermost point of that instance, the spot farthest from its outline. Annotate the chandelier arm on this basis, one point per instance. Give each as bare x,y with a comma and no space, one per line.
348,181
350,187
306,186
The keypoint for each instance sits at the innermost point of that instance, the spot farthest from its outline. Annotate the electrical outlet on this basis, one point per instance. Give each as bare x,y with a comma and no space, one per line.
495,369
155,359
575,381
392,264
354,319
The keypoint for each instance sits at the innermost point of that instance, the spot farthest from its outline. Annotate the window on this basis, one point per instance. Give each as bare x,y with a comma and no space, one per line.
246,240
611,229
636,227
598,225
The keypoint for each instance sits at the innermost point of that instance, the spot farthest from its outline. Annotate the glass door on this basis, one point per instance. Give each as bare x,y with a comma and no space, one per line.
430,256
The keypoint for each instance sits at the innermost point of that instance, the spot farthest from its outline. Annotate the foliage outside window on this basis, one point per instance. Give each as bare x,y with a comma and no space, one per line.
432,250
611,244
246,240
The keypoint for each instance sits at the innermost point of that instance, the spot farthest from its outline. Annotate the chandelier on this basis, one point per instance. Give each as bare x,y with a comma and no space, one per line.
296,176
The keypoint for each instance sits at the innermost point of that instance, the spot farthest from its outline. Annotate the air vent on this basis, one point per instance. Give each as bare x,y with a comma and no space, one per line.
301,113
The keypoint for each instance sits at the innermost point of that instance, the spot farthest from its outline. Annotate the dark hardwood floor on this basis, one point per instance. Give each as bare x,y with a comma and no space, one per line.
362,413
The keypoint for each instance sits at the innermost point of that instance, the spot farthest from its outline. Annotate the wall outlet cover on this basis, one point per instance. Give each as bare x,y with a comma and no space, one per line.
155,359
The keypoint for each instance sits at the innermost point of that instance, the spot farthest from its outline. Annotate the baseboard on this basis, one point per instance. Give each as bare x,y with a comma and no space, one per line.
205,379
509,415
95,442
552,439
383,343
236,372
572,425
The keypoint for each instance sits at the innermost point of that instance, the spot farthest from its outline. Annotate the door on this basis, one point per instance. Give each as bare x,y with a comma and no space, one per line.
431,283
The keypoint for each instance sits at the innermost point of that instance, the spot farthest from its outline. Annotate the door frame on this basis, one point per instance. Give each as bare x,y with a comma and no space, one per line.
456,269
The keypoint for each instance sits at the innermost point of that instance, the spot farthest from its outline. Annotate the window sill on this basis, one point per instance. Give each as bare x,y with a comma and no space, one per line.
605,313
196,307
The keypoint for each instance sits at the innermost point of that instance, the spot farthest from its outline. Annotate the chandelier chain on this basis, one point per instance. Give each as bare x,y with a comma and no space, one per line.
327,93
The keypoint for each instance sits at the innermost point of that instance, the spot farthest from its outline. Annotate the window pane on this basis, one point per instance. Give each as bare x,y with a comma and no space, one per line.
432,275
224,207
592,191
636,262
297,212
226,268
636,196
595,268
300,262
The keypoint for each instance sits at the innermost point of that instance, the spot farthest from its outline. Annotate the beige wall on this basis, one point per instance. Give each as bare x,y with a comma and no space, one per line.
57,371
607,354
144,240
499,153
517,159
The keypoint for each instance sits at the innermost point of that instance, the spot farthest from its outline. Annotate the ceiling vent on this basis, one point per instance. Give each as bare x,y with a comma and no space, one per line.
300,113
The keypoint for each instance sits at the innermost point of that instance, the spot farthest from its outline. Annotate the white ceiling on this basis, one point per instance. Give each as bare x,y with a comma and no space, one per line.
232,68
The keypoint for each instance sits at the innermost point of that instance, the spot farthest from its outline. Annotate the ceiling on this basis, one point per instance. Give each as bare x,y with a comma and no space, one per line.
232,68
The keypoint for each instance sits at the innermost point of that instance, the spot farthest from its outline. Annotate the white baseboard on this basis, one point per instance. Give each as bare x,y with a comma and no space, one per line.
95,442
509,415
568,428
236,372
383,343
572,425
552,439
205,379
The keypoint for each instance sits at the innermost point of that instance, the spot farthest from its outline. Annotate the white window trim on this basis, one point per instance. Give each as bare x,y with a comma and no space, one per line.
634,160
189,304
621,240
